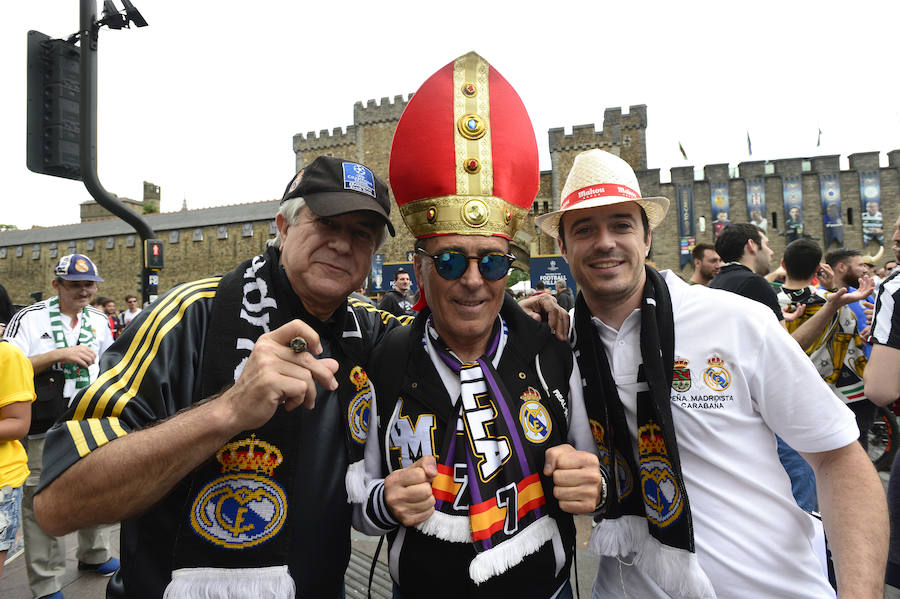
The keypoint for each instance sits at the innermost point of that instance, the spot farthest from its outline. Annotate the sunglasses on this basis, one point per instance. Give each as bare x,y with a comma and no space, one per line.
451,265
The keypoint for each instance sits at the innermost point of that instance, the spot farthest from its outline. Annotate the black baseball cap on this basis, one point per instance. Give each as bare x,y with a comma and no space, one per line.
331,186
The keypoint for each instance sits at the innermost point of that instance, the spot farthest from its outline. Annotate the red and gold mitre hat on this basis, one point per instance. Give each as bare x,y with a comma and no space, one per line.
464,158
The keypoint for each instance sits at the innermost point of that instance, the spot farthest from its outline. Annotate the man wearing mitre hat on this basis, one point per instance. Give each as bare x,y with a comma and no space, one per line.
480,450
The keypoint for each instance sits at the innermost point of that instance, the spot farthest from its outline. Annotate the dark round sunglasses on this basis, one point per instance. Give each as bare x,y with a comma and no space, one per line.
451,264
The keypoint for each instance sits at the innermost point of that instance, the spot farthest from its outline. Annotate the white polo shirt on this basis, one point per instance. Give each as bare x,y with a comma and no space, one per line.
30,331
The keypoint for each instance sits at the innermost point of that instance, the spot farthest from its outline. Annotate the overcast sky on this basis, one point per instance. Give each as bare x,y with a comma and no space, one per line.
205,101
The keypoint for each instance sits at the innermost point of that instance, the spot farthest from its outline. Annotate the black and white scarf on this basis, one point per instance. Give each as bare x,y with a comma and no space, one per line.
648,509
234,539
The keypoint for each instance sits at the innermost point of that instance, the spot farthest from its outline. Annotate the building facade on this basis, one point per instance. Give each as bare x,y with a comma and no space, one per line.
831,202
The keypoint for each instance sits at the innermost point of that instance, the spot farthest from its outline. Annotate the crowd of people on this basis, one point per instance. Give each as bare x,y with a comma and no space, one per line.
713,429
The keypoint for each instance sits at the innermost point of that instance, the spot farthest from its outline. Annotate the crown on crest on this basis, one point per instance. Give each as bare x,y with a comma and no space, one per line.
650,441
250,455
716,361
359,378
531,394
681,363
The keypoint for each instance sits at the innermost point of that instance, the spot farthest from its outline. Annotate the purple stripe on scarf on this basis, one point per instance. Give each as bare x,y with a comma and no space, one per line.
511,425
475,494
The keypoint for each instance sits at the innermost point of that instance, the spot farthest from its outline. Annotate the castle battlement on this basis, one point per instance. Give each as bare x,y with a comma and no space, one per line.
385,111
584,137
325,139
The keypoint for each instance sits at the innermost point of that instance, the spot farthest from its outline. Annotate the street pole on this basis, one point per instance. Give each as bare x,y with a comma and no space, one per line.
89,35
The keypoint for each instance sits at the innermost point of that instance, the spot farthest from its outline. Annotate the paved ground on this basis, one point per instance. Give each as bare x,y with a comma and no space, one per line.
82,585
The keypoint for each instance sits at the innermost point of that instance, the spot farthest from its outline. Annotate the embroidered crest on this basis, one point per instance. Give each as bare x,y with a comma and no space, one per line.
623,476
716,376
295,182
662,496
681,375
534,417
244,507
360,405
359,178
81,265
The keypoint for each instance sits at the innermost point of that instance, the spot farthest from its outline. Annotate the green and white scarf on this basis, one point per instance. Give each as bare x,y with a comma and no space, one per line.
80,375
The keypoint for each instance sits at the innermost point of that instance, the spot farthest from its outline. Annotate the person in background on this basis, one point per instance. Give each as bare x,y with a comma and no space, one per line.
399,300
564,296
126,316
706,264
63,337
16,395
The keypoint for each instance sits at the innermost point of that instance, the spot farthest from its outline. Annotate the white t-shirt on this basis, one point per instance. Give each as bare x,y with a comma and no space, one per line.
30,331
129,316
751,538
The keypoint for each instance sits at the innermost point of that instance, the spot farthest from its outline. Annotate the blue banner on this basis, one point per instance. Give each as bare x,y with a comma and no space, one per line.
756,203
870,198
830,189
718,198
685,195
388,269
376,276
549,269
792,188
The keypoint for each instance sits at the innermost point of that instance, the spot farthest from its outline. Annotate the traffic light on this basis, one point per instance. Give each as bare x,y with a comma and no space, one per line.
54,96
153,254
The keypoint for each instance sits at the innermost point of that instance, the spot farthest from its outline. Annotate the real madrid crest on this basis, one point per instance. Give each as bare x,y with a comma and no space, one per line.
360,405
662,495
716,376
245,506
534,417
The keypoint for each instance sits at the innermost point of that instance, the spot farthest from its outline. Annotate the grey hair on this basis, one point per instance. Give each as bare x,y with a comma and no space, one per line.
290,210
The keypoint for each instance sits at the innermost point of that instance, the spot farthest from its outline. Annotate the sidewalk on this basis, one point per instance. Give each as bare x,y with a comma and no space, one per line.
84,585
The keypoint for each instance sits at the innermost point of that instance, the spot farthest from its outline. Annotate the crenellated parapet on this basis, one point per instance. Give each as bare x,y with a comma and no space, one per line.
385,111
324,139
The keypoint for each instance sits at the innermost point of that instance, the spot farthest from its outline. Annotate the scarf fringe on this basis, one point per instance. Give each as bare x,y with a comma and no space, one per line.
220,583
676,571
355,482
454,529
511,552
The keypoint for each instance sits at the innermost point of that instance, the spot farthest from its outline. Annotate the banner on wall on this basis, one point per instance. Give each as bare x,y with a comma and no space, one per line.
792,188
685,247
830,190
388,270
549,269
756,203
376,276
718,198
870,198
685,195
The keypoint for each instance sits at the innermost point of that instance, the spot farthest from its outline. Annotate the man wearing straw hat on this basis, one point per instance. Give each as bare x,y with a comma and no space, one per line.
470,469
686,388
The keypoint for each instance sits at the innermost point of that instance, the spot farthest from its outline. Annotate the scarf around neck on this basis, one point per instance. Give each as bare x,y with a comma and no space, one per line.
500,509
74,372
648,505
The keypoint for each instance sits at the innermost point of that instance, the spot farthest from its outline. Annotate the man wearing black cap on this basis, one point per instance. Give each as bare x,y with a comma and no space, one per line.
399,301
62,337
177,438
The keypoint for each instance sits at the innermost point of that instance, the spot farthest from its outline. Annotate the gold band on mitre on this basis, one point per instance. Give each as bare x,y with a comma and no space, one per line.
462,215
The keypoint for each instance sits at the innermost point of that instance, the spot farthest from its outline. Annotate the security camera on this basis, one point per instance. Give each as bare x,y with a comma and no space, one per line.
132,14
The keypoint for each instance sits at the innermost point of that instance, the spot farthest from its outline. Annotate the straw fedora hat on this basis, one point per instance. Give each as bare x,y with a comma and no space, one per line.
599,178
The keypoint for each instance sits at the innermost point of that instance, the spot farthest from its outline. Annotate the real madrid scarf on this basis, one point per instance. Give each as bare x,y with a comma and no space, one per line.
501,507
74,372
647,496
235,533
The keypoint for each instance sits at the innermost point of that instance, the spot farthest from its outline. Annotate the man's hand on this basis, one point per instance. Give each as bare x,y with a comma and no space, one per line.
577,480
794,314
869,311
408,494
82,355
276,375
826,276
544,308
